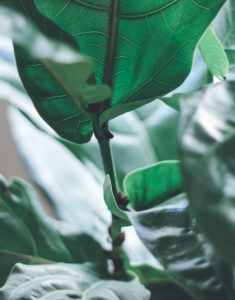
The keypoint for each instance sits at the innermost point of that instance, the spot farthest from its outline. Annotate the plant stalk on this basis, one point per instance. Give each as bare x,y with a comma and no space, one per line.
108,163
117,237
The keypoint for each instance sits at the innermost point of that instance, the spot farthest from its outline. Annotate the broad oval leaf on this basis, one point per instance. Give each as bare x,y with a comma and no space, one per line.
208,143
141,50
153,184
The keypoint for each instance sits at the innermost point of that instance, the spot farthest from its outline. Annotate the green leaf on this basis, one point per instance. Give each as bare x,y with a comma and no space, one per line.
166,231
94,218
139,139
117,290
213,54
163,224
64,179
168,291
208,141
22,217
161,286
51,282
68,76
29,236
64,281
172,101
137,136
149,186
224,28
118,49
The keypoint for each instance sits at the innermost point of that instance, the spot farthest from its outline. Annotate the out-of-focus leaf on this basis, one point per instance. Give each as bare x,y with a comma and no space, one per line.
9,75
64,281
29,236
165,229
172,101
113,290
66,74
6,50
224,26
168,291
51,282
92,214
161,286
23,218
208,143
213,54
74,193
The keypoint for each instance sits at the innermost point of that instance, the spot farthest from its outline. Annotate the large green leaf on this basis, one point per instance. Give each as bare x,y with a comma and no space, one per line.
69,72
139,135
164,226
29,236
225,29
118,40
66,282
208,143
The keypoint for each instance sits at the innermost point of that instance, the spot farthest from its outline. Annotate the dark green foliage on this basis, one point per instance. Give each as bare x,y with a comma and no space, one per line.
117,47
83,63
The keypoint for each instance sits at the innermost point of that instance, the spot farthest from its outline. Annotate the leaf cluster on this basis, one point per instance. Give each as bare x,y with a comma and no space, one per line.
159,222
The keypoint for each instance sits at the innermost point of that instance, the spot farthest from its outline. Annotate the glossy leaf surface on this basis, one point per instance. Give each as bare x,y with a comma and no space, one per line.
166,231
67,282
149,185
118,41
208,141
164,226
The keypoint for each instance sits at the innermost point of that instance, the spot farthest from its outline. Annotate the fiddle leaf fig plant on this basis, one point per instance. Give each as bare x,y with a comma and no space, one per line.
148,216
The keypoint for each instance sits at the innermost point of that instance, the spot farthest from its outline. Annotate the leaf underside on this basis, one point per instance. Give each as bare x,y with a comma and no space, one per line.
143,50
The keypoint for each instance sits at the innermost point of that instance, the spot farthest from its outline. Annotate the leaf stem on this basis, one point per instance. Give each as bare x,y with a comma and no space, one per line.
108,163
103,136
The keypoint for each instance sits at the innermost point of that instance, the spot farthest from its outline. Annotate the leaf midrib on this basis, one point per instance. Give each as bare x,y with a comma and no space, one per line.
127,16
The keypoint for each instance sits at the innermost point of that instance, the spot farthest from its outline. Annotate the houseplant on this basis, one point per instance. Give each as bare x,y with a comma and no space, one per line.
84,64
